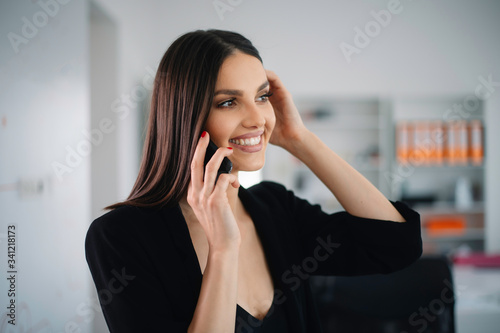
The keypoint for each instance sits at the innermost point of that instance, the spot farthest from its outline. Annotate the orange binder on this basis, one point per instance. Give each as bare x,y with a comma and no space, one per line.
437,142
451,143
463,143
420,146
476,149
446,225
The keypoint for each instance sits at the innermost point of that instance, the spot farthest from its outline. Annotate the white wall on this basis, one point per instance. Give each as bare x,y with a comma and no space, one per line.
103,91
429,48
44,107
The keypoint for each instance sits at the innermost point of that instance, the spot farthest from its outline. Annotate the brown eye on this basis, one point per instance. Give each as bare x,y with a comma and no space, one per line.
265,97
226,104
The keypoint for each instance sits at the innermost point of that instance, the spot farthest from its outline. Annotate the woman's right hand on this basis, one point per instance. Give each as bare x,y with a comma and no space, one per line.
209,200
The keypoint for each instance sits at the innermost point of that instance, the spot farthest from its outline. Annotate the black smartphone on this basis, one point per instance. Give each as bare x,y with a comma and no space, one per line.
226,165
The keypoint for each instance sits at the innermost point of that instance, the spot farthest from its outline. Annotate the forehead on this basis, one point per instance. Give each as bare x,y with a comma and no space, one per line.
241,71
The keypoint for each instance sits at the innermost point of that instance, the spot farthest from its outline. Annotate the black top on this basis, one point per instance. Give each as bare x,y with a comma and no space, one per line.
275,320
148,277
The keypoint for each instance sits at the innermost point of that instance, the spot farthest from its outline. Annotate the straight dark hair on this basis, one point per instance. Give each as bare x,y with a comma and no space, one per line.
180,104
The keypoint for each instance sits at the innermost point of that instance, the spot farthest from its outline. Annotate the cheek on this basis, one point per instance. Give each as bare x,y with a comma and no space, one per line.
211,125
215,121
219,127
270,119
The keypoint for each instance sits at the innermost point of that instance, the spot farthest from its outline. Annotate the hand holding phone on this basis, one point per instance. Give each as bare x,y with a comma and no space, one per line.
226,165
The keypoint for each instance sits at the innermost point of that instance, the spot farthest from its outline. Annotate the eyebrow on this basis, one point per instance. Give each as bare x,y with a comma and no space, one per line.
239,92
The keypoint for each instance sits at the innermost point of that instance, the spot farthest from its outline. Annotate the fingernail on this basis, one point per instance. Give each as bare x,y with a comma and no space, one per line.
230,148
203,134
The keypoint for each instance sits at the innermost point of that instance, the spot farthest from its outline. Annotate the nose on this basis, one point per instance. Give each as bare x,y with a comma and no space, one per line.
254,116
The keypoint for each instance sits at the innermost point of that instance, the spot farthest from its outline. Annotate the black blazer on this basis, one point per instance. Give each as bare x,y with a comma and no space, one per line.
148,277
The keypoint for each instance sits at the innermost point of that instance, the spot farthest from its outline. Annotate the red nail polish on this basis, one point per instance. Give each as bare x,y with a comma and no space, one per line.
203,134
230,148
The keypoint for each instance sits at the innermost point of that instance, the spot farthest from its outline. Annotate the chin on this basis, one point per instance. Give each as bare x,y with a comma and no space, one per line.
248,167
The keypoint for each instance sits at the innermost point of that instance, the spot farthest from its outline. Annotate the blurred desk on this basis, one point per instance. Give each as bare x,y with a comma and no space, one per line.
477,308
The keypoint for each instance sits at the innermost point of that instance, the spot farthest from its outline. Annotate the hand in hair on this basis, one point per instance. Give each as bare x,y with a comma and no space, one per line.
289,127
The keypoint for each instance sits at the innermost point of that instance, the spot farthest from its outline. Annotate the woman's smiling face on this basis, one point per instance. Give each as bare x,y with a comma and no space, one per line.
241,116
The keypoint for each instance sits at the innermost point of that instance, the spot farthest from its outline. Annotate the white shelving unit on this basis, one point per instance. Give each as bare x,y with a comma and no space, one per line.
439,182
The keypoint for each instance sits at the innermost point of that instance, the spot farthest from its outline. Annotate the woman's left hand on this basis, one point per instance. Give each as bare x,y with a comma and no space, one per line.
289,127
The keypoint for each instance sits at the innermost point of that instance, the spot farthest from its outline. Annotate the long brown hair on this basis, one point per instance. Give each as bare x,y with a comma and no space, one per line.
180,103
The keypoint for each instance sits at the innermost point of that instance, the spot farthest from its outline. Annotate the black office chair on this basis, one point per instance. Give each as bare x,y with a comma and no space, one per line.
419,298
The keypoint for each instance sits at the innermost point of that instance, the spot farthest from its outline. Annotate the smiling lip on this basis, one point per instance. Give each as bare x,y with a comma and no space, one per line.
248,149
249,135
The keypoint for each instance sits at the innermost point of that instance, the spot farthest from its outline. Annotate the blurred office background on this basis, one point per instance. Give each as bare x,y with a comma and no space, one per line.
75,79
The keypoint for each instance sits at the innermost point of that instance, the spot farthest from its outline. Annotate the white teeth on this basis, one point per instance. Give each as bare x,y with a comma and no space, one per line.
247,142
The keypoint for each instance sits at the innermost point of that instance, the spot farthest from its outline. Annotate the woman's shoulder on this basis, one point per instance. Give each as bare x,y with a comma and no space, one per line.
131,229
119,217
129,219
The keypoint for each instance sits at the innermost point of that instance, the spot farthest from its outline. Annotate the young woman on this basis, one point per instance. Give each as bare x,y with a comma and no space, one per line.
189,253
